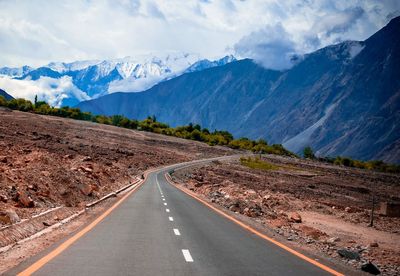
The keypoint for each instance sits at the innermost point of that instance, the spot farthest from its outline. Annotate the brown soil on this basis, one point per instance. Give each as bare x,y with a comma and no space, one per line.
333,202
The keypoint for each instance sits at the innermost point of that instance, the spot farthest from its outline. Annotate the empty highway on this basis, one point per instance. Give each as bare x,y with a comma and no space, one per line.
160,230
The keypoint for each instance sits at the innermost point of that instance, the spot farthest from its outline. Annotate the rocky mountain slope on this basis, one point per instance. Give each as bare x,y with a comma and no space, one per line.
5,95
341,100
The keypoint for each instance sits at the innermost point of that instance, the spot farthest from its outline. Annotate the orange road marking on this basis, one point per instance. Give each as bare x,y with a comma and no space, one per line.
40,263
252,230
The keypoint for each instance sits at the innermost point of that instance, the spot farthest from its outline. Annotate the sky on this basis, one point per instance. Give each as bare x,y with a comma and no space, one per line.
269,31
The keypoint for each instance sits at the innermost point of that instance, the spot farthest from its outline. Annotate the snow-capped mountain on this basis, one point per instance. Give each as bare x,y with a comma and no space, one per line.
96,78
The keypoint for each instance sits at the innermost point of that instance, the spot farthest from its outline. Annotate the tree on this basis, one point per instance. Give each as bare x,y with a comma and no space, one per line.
308,153
35,100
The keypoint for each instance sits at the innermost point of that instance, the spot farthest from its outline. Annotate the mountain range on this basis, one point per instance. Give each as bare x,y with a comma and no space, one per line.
343,99
5,95
94,78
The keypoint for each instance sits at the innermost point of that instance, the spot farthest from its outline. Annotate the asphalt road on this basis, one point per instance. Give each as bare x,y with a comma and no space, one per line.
159,230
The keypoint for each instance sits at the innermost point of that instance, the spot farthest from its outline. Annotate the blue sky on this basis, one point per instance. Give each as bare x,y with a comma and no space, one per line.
40,31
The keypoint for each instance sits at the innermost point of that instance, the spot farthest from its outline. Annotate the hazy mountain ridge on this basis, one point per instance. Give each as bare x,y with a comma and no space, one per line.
341,100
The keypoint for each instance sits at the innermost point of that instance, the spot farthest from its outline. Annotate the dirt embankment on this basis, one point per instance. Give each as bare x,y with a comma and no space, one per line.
48,161
320,207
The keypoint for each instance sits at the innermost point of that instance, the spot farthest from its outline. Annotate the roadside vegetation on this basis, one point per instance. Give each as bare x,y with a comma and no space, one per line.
375,165
192,132
257,163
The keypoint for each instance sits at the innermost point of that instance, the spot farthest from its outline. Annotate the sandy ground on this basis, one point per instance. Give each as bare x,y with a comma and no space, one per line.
332,202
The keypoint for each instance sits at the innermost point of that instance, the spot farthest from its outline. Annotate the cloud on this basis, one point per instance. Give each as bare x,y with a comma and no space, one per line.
134,85
40,31
53,91
270,46
305,26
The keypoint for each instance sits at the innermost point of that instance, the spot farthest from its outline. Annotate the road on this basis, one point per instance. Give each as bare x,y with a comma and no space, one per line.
160,230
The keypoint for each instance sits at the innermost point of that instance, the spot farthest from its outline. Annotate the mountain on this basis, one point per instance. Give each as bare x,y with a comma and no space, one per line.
15,72
95,78
5,95
205,64
343,99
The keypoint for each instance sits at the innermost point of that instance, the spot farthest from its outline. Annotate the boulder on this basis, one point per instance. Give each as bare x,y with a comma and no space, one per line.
348,254
370,268
294,217
9,216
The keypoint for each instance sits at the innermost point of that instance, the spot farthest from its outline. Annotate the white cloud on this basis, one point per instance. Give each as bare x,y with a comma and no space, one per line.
53,91
270,46
40,31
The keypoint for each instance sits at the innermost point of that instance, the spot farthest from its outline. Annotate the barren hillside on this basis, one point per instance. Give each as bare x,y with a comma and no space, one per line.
48,161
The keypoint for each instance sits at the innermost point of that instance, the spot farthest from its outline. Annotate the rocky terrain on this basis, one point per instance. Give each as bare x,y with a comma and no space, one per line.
321,208
46,162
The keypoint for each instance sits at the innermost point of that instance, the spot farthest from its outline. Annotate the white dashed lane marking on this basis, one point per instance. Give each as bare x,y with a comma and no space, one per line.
171,218
167,210
187,256
176,232
165,203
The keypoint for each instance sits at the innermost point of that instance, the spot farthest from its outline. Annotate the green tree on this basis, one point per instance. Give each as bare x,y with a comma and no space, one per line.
308,153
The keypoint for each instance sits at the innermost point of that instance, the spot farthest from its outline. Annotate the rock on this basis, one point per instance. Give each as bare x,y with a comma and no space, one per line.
347,209
45,223
3,198
87,158
9,216
85,169
333,240
86,189
370,268
294,217
198,184
216,194
3,159
374,244
348,254
24,200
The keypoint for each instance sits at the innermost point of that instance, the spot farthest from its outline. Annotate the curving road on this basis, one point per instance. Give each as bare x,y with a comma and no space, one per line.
160,230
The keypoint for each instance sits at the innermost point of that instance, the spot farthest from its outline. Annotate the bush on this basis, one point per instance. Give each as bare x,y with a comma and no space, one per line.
308,153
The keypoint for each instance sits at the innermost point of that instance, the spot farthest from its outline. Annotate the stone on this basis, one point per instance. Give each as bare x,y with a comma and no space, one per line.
348,254
333,240
294,217
45,223
370,268
373,244
3,159
87,158
9,216
347,209
24,200
3,198
86,189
